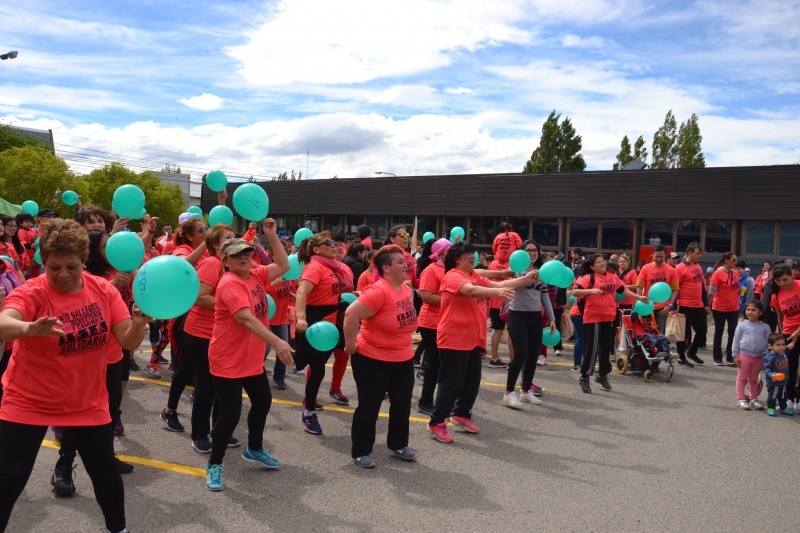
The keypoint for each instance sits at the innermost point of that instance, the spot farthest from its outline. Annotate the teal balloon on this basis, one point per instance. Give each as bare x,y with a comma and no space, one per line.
29,206
428,236
659,293
128,201
271,307
295,268
36,243
458,230
166,287
644,309
349,297
37,257
476,259
251,202
549,339
323,336
216,180
220,214
195,209
125,251
551,272
567,276
69,197
619,297
519,261
571,300
8,260
302,233
141,214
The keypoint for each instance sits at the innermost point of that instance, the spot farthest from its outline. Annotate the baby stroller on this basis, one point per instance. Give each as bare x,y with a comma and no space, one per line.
641,356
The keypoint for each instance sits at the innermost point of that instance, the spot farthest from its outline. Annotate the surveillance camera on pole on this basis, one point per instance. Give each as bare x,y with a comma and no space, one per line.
9,55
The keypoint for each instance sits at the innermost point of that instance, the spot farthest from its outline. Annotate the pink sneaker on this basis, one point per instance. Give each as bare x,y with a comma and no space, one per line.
467,424
439,432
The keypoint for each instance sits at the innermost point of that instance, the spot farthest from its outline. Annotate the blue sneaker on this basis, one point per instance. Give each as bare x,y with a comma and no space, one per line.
787,411
771,411
365,461
311,423
406,454
214,477
261,457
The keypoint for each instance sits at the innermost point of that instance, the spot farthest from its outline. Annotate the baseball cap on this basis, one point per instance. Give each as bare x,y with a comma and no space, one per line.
234,246
673,255
184,217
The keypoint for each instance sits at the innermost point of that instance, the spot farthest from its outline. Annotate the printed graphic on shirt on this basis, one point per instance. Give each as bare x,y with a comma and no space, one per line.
258,295
790,307
406,315
88,330
481,301
341,286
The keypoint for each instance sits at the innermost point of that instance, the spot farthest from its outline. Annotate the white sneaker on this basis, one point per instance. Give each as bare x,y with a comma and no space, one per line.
558,353
755,404
528,397
542,360
796,406
510,400
744,404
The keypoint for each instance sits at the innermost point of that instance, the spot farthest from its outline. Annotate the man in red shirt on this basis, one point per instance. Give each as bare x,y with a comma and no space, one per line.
693,304
655,272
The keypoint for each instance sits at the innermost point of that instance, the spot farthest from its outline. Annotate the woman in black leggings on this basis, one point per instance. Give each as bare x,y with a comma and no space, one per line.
723,298
63,323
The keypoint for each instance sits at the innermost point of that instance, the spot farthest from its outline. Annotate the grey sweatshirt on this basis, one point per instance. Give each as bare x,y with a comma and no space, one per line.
532,298
750,338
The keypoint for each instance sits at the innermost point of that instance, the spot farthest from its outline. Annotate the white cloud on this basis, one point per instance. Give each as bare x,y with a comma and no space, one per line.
576,41
59,98
204,102
415,96
460,90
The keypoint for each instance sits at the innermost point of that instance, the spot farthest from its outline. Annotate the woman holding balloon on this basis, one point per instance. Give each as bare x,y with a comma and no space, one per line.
323,281
525,326
237,348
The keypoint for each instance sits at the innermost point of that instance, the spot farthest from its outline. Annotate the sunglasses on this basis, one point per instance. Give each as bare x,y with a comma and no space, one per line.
245,253
401,235
327,242
202,230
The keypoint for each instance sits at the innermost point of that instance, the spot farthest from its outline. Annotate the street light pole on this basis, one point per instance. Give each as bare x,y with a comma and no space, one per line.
386,173
9,55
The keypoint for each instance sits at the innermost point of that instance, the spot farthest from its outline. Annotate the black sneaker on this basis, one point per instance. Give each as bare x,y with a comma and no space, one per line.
279,383
171,421
684,362
718,362
122,466
421,374
729,362
585,386
603,381
497,363
202,445
694,358
426,409
162,360
62,481
135,366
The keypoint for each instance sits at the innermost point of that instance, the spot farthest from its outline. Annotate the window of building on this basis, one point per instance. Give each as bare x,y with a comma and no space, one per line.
688,232
379,229
759,238
790,240
332,223
659,229
519,225
617,234
353,222
481,230
452,222
311,223
718,236
583,233
545,232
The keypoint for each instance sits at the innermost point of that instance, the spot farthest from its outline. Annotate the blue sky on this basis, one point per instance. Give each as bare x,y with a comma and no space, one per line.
348,88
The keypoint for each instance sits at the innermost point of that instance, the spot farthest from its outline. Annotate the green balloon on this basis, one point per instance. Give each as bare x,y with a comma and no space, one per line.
302,233
69,197
323,336
31,207
349,297
128,201
659,293
428,236
166,287
251,202
519,261
125,251
566,278
619,297
551,272
271,307
141,214
220,214
195,209
36,243
295,268
571,300
8,260
644,309
458,230
476,259
550,340
216,180
38,257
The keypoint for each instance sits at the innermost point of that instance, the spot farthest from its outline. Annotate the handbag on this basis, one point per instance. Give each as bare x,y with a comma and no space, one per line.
675,330
566,326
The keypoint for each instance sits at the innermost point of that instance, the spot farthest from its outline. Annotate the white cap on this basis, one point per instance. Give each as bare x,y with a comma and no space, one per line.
184,217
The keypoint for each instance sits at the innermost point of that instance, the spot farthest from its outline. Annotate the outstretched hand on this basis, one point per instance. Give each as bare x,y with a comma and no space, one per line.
45,327
269,227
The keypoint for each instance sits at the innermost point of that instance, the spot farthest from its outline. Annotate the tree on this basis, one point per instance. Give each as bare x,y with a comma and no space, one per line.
640,150
34,173
161,200
624,156
285,176
664,144
689,150
12,137
559,148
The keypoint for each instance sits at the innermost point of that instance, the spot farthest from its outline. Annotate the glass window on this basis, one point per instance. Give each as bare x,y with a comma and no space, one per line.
760,238
658,229
425,223
718,236
790,239
583,233
520,226
617,234
332,223
353,222
379,229
688,232
545,232
481,230
312,223
452,222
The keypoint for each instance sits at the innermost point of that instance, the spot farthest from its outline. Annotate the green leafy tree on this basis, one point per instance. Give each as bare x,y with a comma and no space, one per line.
625,154
161,200
559,148
285,176
14,138
665,153
640,150
34,173
689,149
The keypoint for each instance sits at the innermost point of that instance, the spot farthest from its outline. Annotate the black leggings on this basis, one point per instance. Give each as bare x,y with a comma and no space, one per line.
19,446
183,374
793,357
731,318
696,319
459,383
599,343
229,396
431,375
525,332
204,405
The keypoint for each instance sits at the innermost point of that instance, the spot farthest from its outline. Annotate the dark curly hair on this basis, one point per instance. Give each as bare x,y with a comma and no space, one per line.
63,237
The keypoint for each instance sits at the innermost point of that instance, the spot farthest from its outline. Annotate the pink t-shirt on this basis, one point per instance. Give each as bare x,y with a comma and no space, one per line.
281,292
462,319
599,307
200,321
386,335
431,281
726,299
788,302
652,274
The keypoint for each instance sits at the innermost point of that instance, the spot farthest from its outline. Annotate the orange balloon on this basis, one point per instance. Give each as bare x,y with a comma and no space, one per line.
778,376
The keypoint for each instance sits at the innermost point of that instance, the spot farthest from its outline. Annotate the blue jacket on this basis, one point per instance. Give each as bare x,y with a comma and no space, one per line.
774,362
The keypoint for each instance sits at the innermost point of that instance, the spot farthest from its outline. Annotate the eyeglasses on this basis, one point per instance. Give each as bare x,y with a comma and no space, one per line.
245,253
202,230
327,242
401,235
11,225
532,251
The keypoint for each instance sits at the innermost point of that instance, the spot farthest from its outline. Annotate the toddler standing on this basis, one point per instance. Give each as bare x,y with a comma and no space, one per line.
749,344
775,367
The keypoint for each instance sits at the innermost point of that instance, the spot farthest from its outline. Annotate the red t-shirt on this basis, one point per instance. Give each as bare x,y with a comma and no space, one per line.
234,352
652,274
200,321
788,303
184,250
126,293
28,236
327,287
364,280
726,299
629,279
61,381
505,244
692,283
430,281
386,335
7,248
462,319
281,291
367,241
411,269
600,307
496,301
